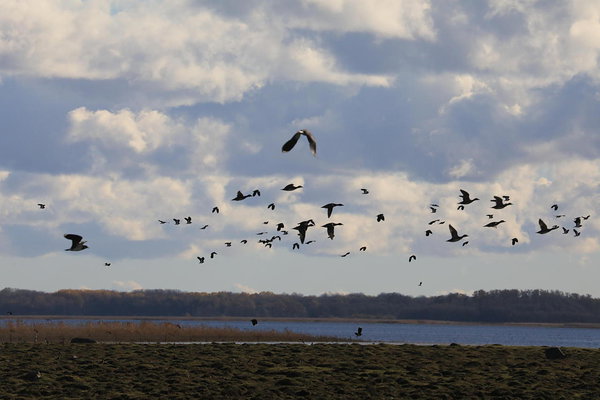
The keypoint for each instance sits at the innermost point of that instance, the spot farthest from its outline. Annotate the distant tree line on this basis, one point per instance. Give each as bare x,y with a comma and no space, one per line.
482,306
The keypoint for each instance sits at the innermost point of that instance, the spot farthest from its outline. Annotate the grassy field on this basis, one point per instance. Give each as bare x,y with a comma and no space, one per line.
279,371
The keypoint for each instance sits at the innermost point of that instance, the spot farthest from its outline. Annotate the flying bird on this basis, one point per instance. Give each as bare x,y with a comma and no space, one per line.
256,192
188,220
41,206
365,191
565,230
455,237
412,258
243,241
428,232
576,232
162,222
271,206
254,321
432,222
554,207
177,221
420,283
330,228
240,196
290,187
76,242
228,244
466,198
280,226
204,227
433,210
215,209
380,217
494,224
490,216
514,241
461,207
213,254
465,243
295,246
577,222
363,248
544,228
330,206
200,259
289,145
107,264
358,332
345,254
500,204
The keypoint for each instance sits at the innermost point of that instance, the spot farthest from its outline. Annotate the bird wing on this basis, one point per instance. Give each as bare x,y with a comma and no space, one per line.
464,194
74,238
289,145
312,143
543,225
453,231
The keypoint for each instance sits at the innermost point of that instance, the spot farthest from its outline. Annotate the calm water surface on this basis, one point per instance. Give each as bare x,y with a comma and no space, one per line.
405,333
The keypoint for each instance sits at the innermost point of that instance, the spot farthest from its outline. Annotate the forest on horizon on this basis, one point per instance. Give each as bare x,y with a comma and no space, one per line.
497,306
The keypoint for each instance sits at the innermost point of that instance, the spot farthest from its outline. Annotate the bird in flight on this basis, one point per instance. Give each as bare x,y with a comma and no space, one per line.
577,222
345,254
213,254
494,224
500,204
256,192
428,232
76,242
215,209
365,191
204,227
162,222
514,241
554,207
254,321
454,235
177,221
363,248
289,145
240,196
565,230
107,264
290,187
358,332
200,259
41,206
271,206
188,220
380,217
330,206
412,258
330,229
466,198
544,228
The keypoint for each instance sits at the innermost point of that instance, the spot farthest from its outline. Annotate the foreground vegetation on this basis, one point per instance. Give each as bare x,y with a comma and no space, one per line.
145,331
269,371
496,306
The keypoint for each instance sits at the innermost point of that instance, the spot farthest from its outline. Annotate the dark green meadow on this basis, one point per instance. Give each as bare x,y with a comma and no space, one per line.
279,371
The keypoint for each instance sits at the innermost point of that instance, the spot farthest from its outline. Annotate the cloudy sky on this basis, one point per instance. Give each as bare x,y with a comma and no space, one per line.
118,113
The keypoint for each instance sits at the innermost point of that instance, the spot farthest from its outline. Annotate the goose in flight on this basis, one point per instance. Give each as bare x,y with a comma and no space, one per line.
565,230
380,217
302,227
215,209
77,244
494,224
544,228
363,248
500,204
365,191
107,264
514,241
290,187
280,226
295,246
433,210
256,192
577,222
254,321
420,283
576,232
345,254
162,222
200,259
329,207
213,254
271,206
428,232
204,227
240,196
412,258
188,220
358,332
177,221
330,229
289,145
466,198
454,234
41,206
554,207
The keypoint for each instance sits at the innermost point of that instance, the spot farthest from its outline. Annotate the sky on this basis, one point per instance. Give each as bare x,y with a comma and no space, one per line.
118,113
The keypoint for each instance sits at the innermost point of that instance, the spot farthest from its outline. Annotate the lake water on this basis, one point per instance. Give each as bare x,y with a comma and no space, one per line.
405,333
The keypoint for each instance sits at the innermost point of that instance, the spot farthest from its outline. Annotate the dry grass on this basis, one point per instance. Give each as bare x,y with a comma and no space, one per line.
145,331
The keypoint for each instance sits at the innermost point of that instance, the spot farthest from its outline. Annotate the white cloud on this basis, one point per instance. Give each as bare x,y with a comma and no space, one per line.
127,285
244,289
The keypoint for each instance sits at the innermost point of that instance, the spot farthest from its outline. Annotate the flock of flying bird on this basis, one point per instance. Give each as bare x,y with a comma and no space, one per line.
301,228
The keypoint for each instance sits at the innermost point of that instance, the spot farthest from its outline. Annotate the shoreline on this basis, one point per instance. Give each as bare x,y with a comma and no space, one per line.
582,325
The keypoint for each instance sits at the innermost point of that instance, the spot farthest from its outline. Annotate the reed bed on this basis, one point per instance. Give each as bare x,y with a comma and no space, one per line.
145,331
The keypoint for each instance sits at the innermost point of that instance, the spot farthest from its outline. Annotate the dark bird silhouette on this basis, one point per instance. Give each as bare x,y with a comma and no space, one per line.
586,217
271,206
188,220
254,321
465,243
240,196
107,264
41,206
262,233
565,230
490,216
289,145
345,254
280,226
365,191
256,192
290,187
500,204
577,222
177,221
559,216
514,241
228,244
380,217
243,241
215,210
329,207
428,232
204,227
265,222
455,237
358,332
162,222
544,228
576,232
420,283
76,242
412,258
494,224
461,207
302,227
554,207
506,198
466,198
441,222
434,205
433,222
433,210
363,248
200,259
213,254
295,246
330,229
